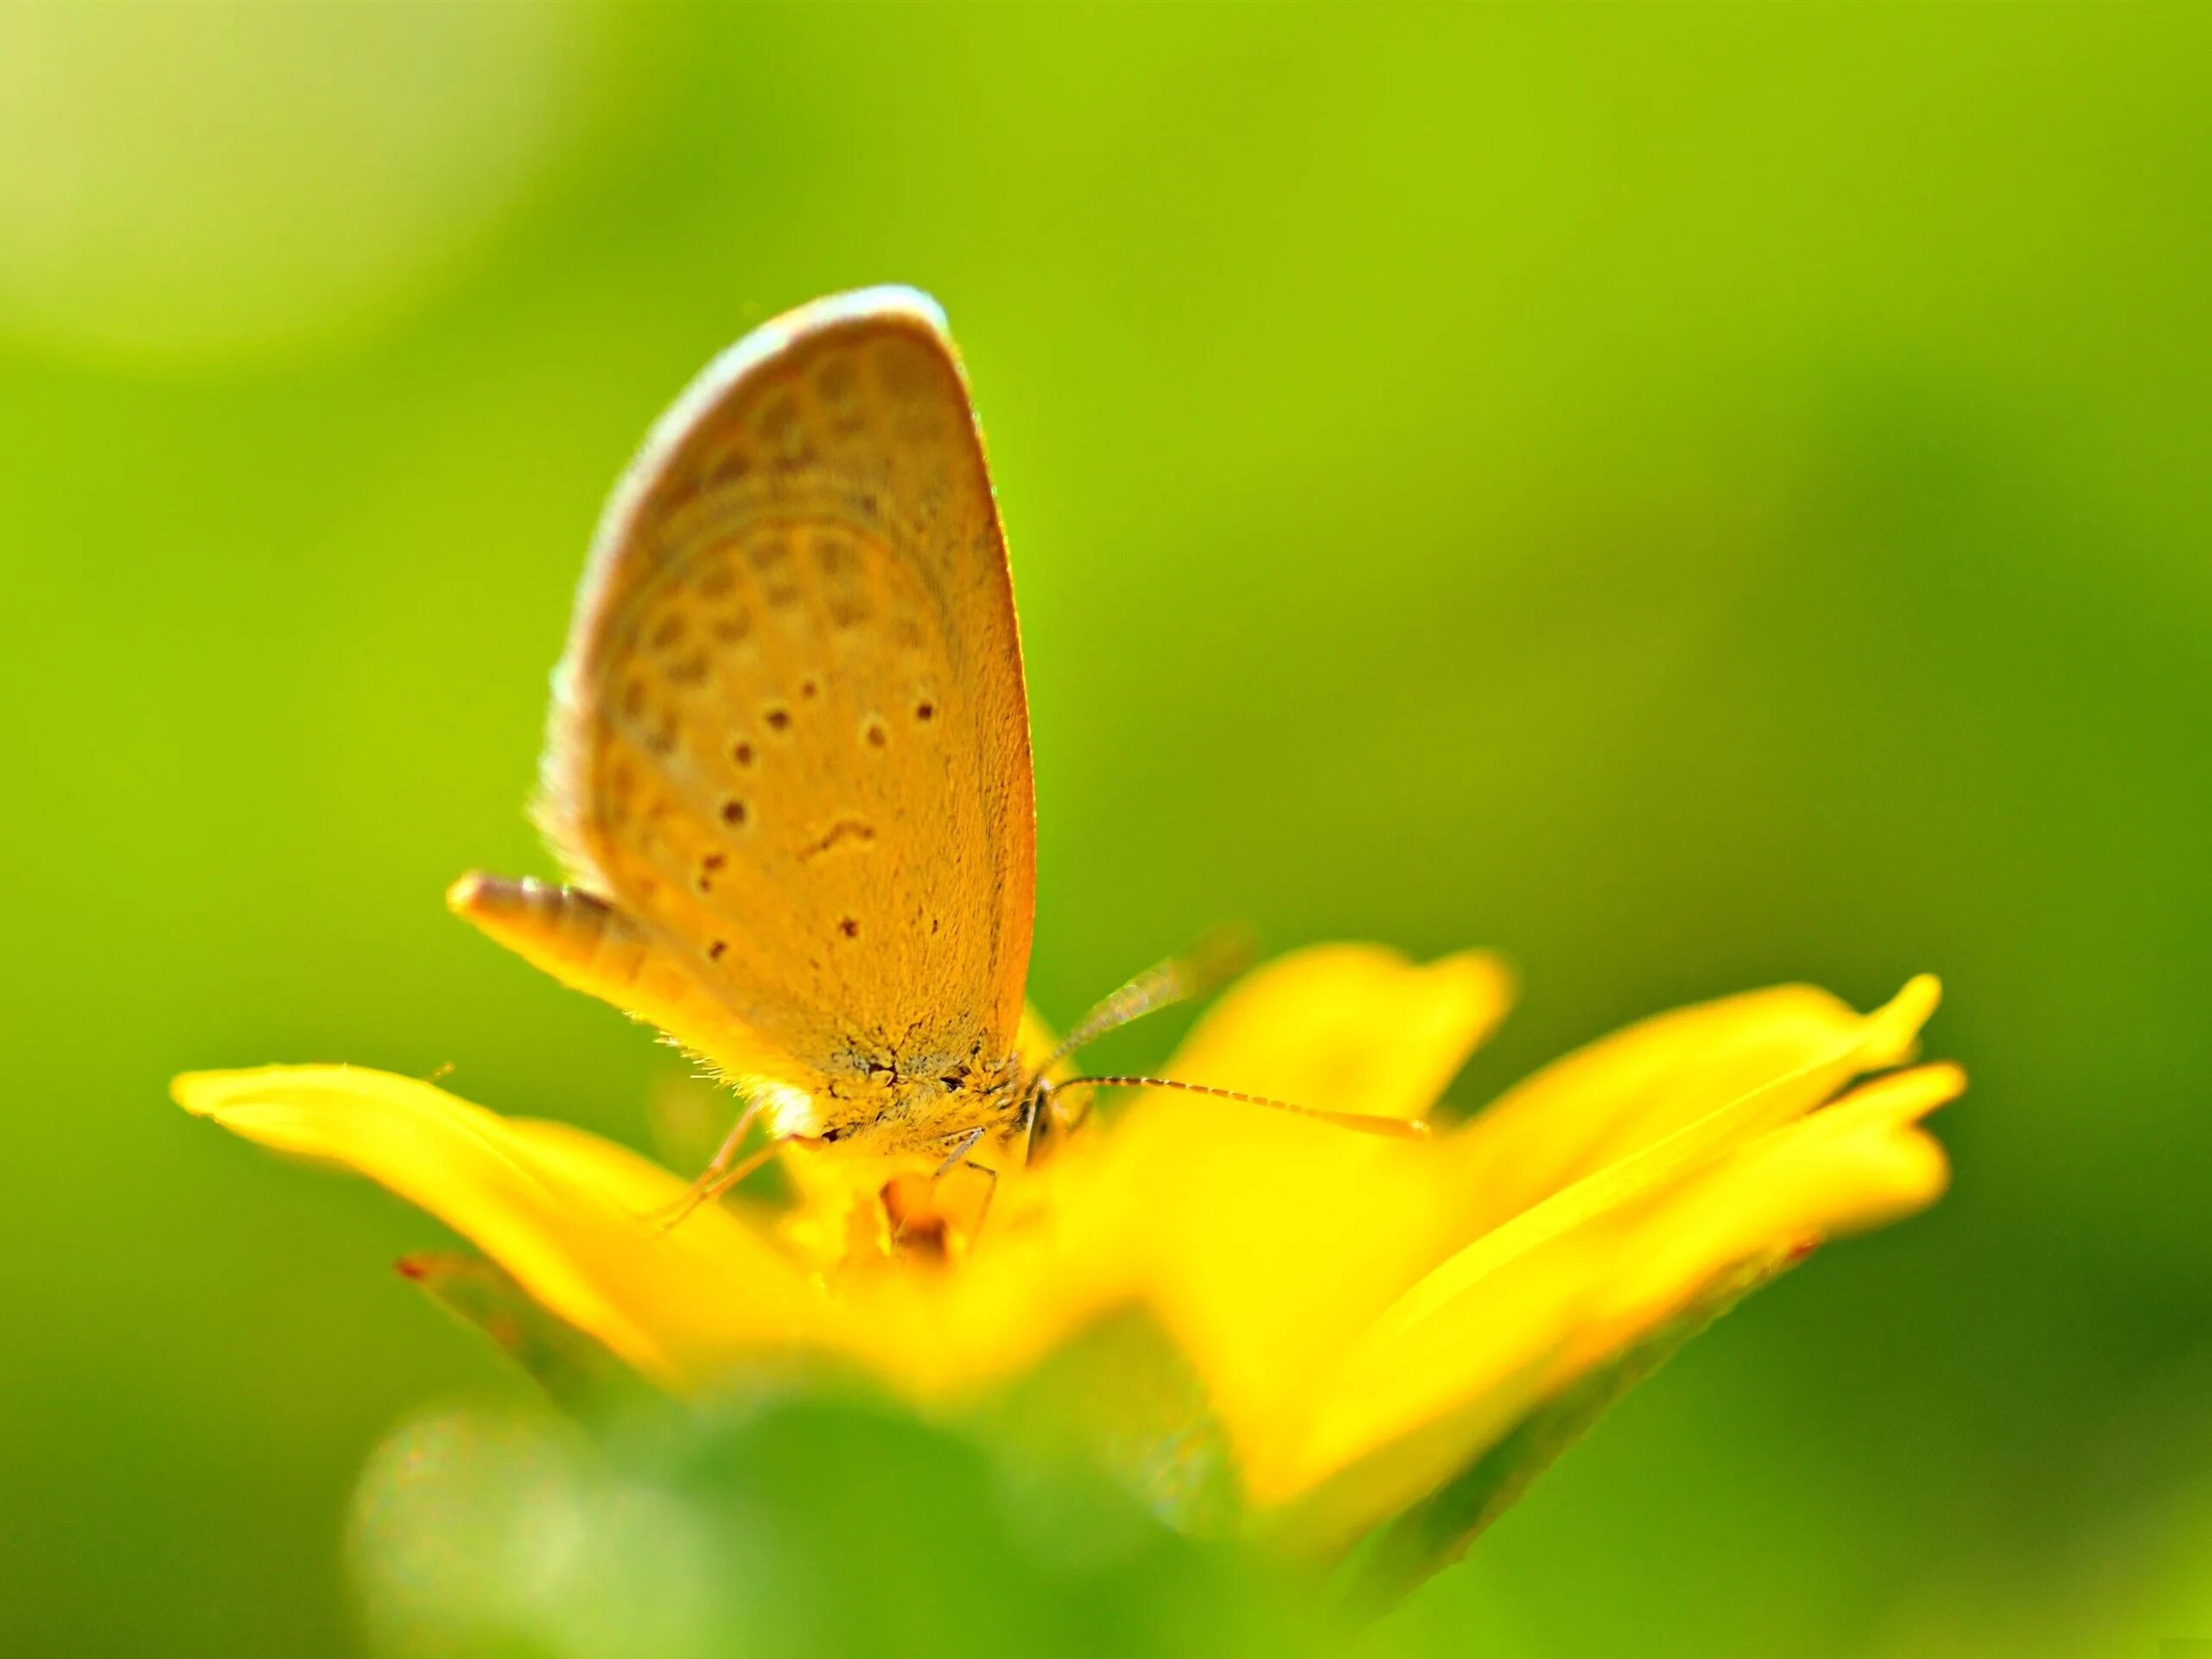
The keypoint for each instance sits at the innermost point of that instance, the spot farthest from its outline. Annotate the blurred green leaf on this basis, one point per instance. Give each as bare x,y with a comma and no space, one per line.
1120,1402
804,1528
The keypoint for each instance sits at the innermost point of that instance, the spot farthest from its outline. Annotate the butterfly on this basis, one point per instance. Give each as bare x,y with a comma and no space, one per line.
788,764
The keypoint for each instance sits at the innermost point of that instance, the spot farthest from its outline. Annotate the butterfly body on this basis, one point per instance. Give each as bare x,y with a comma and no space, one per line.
884,1111
788,766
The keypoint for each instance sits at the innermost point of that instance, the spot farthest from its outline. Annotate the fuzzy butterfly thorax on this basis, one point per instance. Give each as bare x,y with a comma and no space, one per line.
880,1111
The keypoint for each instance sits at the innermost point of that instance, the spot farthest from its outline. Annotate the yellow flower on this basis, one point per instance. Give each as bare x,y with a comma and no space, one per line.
1366,1316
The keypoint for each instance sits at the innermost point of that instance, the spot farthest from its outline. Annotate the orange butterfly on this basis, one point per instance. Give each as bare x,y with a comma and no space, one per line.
788,770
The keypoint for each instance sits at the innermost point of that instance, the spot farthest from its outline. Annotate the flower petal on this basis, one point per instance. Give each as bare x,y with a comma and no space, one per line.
1345,1027
567,1214
1264,1241
1036,1040
1582,1277
1792,1047
1396,1410
1856,1164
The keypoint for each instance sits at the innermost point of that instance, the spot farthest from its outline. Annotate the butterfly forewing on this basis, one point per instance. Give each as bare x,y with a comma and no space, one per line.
789,734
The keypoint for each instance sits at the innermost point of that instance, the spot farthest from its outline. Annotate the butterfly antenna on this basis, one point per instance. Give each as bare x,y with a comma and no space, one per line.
1216,958
1400,1128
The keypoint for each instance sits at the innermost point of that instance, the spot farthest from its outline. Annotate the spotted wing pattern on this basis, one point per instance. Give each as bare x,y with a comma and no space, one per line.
789,739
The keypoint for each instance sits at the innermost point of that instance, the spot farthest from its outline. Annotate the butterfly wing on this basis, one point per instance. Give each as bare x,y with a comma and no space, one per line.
789,737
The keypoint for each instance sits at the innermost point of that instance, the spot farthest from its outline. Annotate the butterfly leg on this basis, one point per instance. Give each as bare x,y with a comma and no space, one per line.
718,1177
918,1223
959,1154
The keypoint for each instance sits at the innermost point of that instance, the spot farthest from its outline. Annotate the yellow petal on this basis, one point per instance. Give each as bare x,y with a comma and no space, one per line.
1858,1163
1263,1240
1598,1266
1397,1409
567,1214
1036,1040
1345,1027
1793,1047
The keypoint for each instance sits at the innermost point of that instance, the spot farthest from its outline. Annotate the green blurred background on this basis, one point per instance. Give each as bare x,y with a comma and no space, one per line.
1689,497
